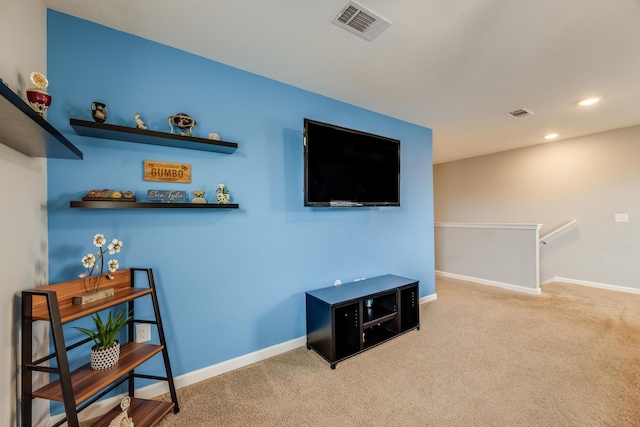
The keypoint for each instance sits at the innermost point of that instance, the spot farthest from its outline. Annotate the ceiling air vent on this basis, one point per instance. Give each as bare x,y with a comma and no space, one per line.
518,114
357,19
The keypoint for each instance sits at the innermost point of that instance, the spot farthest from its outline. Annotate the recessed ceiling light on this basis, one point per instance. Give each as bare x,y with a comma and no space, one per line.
551,136
589,101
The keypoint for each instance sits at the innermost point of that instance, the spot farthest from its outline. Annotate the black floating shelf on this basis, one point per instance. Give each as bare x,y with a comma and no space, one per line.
149,205
152,137
25,131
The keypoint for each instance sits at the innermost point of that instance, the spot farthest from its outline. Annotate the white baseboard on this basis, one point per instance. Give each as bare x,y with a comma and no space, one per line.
101,407
429,298
592,285
508,286
229,365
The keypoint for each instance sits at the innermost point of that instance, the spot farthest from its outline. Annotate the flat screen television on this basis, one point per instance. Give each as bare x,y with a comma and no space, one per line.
349,168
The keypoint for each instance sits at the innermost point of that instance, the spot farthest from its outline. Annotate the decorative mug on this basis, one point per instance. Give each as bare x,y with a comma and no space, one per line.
99,111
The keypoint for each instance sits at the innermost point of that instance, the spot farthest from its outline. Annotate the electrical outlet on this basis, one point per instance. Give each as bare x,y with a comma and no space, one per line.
143,332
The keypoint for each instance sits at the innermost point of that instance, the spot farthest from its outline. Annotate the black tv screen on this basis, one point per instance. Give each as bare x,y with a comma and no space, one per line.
345,167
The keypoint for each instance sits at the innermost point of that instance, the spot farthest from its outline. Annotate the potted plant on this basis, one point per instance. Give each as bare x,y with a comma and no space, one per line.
106,351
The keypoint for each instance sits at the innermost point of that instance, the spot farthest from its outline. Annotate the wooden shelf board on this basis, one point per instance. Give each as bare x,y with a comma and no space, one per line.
87,382
145,413
145,136
65,291
25,131
73,312
148,205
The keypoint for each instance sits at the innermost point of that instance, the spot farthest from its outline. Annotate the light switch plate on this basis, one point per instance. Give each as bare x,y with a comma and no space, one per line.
622,217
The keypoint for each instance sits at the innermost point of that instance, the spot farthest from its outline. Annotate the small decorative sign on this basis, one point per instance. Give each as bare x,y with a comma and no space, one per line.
167,172
167,196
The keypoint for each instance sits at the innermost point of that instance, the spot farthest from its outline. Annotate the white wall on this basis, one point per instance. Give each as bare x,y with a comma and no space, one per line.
588,178
23,217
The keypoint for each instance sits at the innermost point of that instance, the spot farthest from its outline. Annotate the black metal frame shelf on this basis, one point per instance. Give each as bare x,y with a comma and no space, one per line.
148,205
152,137
81,387
28,133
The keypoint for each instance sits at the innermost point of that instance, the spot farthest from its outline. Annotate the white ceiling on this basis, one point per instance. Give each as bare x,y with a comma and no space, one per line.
454,66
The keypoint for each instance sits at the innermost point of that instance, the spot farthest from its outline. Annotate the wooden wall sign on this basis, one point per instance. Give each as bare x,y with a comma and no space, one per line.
167,172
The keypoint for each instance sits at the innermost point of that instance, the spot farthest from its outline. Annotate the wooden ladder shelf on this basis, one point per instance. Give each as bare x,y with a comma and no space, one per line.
82,387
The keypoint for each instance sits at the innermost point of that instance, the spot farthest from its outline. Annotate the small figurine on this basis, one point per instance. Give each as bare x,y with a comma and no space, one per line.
99,112
139,123
198,197
222,195
182,121
214,137
38,98
123,419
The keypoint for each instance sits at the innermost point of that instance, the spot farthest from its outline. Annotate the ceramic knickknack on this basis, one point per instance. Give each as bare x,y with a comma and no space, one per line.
38,98
182,122
99,111
222,195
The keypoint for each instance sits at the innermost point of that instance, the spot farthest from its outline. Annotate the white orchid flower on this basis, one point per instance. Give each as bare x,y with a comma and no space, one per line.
99,240
113,265
89,260
94,263
115,246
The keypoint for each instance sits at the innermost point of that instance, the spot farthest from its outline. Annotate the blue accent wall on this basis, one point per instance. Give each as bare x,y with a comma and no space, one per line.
230,282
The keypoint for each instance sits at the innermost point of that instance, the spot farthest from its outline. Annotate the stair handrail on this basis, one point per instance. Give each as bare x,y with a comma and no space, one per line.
544,239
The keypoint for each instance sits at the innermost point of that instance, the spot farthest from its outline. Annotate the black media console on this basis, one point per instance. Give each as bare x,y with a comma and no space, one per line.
348,319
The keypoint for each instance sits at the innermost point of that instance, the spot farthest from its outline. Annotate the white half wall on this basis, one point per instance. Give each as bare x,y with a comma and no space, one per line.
505,254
